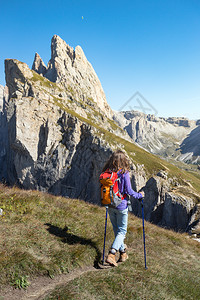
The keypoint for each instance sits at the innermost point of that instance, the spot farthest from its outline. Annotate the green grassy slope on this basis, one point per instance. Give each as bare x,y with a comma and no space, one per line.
46,235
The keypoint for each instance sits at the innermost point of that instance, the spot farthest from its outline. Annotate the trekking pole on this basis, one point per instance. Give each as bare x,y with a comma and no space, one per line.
104,243
145,261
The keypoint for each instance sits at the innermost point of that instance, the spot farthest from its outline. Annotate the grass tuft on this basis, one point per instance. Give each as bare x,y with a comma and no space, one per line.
46,235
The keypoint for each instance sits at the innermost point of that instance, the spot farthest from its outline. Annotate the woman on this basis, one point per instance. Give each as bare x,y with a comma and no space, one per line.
118,162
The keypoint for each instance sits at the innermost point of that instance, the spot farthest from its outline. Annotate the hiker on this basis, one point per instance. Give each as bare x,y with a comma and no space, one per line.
118,162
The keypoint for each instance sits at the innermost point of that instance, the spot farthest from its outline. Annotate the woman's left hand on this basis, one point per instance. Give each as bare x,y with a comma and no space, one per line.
142,192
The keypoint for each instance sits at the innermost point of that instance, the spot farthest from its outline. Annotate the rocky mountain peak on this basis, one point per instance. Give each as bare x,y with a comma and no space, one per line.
72,70
59,48
17,74
38,65
80,55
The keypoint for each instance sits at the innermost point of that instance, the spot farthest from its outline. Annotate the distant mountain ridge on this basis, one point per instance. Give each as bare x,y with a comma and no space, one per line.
177,138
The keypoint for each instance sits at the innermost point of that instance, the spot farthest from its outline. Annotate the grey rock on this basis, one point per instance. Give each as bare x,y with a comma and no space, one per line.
38,65
190,147
17,74
164,207
176,138
1,97
181,121
162,174
194,224
3,134
71,68
176,212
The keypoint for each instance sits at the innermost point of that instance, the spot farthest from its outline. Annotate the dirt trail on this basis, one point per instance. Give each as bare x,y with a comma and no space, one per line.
43,286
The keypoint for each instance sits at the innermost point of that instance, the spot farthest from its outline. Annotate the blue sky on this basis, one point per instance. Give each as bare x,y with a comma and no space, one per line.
152,47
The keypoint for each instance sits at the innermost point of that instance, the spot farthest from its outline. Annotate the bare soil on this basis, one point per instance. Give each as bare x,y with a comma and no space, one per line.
42,286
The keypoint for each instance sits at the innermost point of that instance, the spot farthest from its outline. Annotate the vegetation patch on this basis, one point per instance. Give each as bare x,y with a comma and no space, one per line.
46,235
44,82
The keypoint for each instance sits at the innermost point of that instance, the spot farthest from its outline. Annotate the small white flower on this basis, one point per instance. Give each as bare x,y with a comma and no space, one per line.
1,211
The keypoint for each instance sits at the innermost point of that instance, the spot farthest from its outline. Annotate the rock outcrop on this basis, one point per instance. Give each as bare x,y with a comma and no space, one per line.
38,65
43,137
3,134
58,134
55,138
164,206
1,97
190,147
175,138
72,70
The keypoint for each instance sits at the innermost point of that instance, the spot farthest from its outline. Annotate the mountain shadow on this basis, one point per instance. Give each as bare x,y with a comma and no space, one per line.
192,142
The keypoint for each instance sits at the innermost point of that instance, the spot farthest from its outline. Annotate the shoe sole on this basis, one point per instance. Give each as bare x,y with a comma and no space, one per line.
112,263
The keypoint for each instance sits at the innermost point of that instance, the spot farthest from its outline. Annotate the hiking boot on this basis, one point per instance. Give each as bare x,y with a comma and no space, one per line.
111,259
123,257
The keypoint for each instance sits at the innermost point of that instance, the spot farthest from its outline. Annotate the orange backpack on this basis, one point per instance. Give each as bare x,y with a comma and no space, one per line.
110,194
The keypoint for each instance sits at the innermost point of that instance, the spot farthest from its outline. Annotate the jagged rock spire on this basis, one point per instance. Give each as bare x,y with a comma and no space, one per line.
71,68
38,65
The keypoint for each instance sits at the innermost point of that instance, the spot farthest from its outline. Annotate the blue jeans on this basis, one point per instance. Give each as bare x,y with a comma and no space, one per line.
119,220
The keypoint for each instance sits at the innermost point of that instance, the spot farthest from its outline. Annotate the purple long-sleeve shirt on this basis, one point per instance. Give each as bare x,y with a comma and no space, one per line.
126,188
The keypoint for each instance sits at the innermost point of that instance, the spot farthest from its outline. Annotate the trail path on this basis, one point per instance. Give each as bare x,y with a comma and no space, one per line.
43,286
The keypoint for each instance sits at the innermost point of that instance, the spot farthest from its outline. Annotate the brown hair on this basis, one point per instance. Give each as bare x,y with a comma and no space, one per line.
117,161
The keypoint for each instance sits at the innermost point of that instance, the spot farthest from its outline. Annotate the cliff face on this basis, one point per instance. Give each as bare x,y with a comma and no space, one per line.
55,141
3,134
166,206
190,147
176,138
1,97
49,148
59,137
